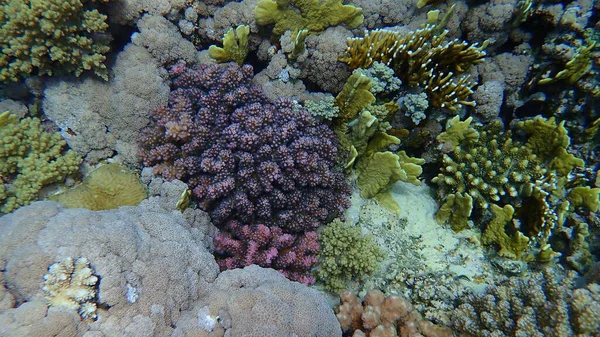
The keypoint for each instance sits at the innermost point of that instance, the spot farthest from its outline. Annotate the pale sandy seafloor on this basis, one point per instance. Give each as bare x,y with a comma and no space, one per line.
149,270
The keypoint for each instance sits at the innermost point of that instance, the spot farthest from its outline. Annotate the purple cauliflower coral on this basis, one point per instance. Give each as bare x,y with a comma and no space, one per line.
246,159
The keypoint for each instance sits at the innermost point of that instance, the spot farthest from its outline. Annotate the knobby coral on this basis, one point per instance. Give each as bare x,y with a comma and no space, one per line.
50,37
246,159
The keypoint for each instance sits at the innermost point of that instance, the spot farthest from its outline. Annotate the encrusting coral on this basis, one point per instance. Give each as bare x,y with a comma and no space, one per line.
71,285
384,316
30,158
108,186
422,58
50,37
249,162
313,15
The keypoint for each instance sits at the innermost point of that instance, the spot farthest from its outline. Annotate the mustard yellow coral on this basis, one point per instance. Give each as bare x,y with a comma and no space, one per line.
421,58
314,15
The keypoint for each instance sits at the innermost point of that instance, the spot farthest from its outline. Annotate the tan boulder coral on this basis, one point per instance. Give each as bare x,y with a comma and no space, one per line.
71,285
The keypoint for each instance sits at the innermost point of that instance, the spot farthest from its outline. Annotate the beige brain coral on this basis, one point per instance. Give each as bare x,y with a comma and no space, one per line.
71,285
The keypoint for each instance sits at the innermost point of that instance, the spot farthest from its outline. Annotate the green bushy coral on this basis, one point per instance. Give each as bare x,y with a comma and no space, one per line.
30,158
345,255
49,37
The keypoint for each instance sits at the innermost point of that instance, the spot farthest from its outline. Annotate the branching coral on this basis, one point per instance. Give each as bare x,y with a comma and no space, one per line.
30,158
485,169
546,304
50,37
421,58
71,285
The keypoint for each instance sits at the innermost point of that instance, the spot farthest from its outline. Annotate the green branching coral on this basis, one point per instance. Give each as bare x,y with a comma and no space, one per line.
30,159
235,46
524,186
346,254
50,37
314,15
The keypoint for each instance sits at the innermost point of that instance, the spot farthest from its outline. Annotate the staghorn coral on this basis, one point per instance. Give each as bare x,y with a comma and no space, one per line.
71,285
384,316
30,159
422,58
245,159
51,37
544,304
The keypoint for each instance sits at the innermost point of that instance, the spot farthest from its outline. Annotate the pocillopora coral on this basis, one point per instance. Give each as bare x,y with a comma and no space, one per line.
109,186
323,109
235,46
314,15
346,254
50,37
524,185
30,158
71,285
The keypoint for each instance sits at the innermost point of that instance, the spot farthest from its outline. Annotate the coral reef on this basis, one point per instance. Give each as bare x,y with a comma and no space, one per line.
51,37
345,254
422,58
30,159
71,285
245,159
108,186
544,304
379,316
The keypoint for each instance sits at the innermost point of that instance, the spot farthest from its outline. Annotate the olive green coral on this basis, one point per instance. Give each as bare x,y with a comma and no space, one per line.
109,186
235,46
30,158
346,254
50,37
314,15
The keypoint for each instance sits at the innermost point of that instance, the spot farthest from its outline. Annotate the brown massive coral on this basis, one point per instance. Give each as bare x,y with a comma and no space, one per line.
381,316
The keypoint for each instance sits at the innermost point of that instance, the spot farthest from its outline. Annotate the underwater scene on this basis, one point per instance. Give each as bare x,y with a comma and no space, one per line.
300,168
